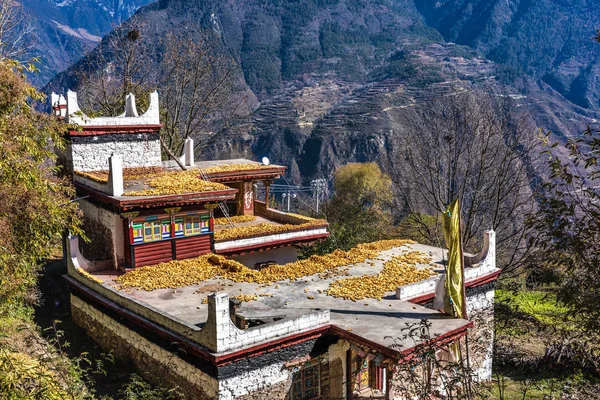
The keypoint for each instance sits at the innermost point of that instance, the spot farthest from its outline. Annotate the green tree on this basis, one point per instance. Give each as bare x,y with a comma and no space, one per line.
360,208
35,209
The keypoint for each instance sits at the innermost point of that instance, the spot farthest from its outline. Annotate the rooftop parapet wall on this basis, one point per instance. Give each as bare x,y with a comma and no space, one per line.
224,336
114,186
130,116
486,265
135,137
218,334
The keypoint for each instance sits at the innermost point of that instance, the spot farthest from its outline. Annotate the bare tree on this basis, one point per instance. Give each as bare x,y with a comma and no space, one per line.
15,31
117,67
474,146
197,82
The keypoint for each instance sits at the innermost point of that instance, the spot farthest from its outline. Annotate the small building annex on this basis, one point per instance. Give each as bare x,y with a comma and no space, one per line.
196,281
140,211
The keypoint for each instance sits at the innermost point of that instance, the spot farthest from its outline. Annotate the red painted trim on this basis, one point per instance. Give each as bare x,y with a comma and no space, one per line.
93,130
270,245
124,203
446,338
481,280
252,174
130,223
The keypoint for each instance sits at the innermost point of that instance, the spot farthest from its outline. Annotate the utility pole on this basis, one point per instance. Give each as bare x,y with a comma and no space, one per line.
289,196
318,185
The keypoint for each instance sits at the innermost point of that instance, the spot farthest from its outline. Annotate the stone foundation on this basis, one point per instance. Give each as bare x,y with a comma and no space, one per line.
154,363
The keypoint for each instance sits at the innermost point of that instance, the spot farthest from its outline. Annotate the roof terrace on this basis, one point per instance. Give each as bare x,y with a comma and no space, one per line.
201,181
358,293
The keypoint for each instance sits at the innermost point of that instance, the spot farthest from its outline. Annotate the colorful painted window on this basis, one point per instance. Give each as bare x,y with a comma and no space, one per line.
179,231
196,224
138,232
151,230
305,383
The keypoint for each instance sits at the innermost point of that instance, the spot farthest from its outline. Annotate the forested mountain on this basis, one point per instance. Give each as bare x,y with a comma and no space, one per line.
332,78
547,39
63,30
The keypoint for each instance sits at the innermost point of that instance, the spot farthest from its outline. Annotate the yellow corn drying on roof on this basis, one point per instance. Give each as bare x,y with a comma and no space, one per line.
177,182
128,173
180,273
400,270
264,229
89,276
235,219
236,168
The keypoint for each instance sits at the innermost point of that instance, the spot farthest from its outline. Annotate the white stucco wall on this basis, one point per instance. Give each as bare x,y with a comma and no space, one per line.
252,381
91,153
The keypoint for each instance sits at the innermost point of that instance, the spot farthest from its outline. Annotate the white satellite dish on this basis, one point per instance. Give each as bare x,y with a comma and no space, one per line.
266,161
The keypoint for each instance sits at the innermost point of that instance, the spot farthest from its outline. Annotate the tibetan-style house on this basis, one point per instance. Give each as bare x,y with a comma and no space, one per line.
177,278
142,211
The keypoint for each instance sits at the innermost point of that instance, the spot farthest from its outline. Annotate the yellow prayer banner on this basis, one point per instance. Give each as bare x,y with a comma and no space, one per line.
455,288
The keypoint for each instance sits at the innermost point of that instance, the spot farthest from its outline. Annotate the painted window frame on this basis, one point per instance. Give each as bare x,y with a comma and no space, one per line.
299,389
166,227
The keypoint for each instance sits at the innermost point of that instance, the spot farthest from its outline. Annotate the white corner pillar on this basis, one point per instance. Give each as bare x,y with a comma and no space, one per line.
115,178
218,325
188,152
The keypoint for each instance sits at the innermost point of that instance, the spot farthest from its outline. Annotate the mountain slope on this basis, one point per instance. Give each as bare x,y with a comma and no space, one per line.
546,39
333,77
65,29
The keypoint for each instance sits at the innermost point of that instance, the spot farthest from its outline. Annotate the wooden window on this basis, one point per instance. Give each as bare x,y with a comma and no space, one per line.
368,373
362,369
137,232
305,383
196,224
155,229
192,225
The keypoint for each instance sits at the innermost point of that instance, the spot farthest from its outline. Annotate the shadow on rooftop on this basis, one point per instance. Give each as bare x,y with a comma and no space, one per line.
395,314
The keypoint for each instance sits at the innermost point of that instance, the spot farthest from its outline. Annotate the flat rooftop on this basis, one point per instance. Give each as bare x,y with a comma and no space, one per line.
170,179
375,320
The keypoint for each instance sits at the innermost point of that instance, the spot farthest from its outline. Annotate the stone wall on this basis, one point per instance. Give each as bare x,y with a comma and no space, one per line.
480,308
91,153
154,363
267,375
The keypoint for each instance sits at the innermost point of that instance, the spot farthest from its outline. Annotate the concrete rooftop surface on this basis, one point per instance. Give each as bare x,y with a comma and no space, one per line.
371,319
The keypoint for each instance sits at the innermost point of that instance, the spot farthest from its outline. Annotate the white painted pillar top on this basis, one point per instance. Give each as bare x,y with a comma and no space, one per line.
489,262
130,107
188,152
115,172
